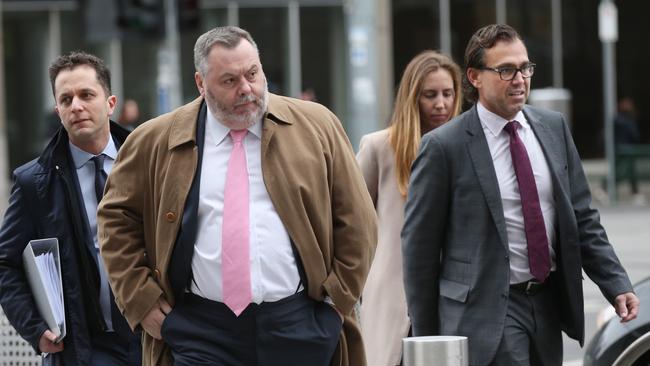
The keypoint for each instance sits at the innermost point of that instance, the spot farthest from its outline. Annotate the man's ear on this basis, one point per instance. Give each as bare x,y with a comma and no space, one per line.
474,77
111,102
199,83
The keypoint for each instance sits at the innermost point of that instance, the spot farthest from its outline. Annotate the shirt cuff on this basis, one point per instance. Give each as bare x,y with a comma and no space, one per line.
328,300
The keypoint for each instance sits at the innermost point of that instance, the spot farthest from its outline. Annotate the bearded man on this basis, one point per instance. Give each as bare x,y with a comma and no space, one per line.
237,229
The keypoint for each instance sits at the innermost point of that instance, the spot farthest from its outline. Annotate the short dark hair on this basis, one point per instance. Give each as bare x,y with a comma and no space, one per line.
80,58
481,40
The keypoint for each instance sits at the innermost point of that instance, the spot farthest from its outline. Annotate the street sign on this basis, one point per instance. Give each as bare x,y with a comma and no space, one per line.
607,21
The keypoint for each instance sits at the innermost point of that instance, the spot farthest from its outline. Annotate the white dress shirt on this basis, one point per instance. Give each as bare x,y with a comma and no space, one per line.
274,274
86,177
499,143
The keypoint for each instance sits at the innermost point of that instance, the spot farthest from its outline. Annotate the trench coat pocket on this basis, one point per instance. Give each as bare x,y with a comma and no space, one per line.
454,290
165,325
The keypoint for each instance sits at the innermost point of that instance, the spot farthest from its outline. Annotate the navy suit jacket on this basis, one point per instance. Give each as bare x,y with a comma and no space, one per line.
45,202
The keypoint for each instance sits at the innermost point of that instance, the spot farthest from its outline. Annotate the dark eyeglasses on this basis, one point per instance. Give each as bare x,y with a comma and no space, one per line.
509,73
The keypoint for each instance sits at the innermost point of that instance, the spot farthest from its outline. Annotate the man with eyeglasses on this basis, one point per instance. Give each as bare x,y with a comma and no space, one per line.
498,224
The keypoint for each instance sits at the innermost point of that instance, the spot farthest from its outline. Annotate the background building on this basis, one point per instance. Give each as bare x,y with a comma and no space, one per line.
322,45
349,54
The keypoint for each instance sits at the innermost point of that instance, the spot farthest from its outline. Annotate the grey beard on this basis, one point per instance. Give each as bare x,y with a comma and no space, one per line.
238,122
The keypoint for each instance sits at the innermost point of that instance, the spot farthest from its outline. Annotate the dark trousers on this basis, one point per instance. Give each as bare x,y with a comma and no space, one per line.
293,331
532,334
110,349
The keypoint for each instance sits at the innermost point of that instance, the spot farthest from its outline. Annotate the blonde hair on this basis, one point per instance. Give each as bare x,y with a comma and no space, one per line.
405,131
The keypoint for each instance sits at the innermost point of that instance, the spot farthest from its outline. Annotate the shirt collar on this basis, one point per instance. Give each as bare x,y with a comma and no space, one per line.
496,123
81,157
219,131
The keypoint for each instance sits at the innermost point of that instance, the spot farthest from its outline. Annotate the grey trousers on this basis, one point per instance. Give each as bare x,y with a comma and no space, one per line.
532,334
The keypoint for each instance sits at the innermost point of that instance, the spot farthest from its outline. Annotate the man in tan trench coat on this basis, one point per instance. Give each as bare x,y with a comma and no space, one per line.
309,225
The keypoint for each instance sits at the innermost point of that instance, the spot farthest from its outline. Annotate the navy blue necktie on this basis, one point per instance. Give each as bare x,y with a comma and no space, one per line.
100,176
119,323
538,253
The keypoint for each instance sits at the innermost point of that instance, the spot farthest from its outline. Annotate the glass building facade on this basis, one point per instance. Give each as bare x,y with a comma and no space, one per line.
34,32
345,51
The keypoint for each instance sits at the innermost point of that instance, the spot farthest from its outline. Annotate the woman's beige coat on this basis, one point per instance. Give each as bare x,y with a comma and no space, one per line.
384,320
311,176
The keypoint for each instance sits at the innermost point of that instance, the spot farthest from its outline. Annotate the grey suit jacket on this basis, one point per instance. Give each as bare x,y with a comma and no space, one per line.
454,242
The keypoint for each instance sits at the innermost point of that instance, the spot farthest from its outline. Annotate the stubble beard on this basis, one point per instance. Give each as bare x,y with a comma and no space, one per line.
236,121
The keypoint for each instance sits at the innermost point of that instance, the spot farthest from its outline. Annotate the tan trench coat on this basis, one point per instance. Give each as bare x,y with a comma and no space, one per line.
311,175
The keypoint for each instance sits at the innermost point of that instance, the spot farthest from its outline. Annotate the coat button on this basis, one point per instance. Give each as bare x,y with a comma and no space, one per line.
157,272
170,216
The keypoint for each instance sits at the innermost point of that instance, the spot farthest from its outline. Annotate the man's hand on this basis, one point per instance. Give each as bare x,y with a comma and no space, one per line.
154,319
627,306
46,343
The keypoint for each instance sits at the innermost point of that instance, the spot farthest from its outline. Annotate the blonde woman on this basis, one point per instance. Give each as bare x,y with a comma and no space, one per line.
429,95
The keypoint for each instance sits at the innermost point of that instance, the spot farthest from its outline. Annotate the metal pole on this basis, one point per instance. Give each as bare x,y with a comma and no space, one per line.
608,34
609,95
117,73
169,86
293,38
174,49
233,13
445,26
556,25
4,161
363,69
502,15
53,50
435,350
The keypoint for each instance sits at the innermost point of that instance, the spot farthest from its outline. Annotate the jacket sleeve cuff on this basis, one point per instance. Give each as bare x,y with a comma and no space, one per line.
138,310
344,302
34,341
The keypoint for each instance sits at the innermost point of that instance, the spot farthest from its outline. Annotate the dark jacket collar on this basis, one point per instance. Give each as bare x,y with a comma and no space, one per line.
56,150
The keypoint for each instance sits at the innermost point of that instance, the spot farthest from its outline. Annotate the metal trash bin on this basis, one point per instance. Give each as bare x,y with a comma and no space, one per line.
435,350
556,99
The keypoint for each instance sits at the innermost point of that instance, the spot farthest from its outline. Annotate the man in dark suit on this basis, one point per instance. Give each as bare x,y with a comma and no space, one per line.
55,196
498,224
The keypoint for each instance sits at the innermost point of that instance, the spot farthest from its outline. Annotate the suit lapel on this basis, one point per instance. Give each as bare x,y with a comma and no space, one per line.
548,140
484,168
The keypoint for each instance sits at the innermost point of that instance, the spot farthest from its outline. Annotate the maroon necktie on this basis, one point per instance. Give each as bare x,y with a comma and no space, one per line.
538,255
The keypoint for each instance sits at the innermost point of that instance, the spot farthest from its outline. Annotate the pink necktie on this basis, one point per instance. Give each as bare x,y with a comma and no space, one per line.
538,255
235,266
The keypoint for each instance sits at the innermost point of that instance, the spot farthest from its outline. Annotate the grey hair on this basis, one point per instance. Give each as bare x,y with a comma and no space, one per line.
228,37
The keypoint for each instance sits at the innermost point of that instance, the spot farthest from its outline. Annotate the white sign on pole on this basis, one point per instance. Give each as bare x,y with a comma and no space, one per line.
607,22
358,39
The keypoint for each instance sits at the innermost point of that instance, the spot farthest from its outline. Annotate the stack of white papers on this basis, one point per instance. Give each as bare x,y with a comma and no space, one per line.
50,276
43,270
